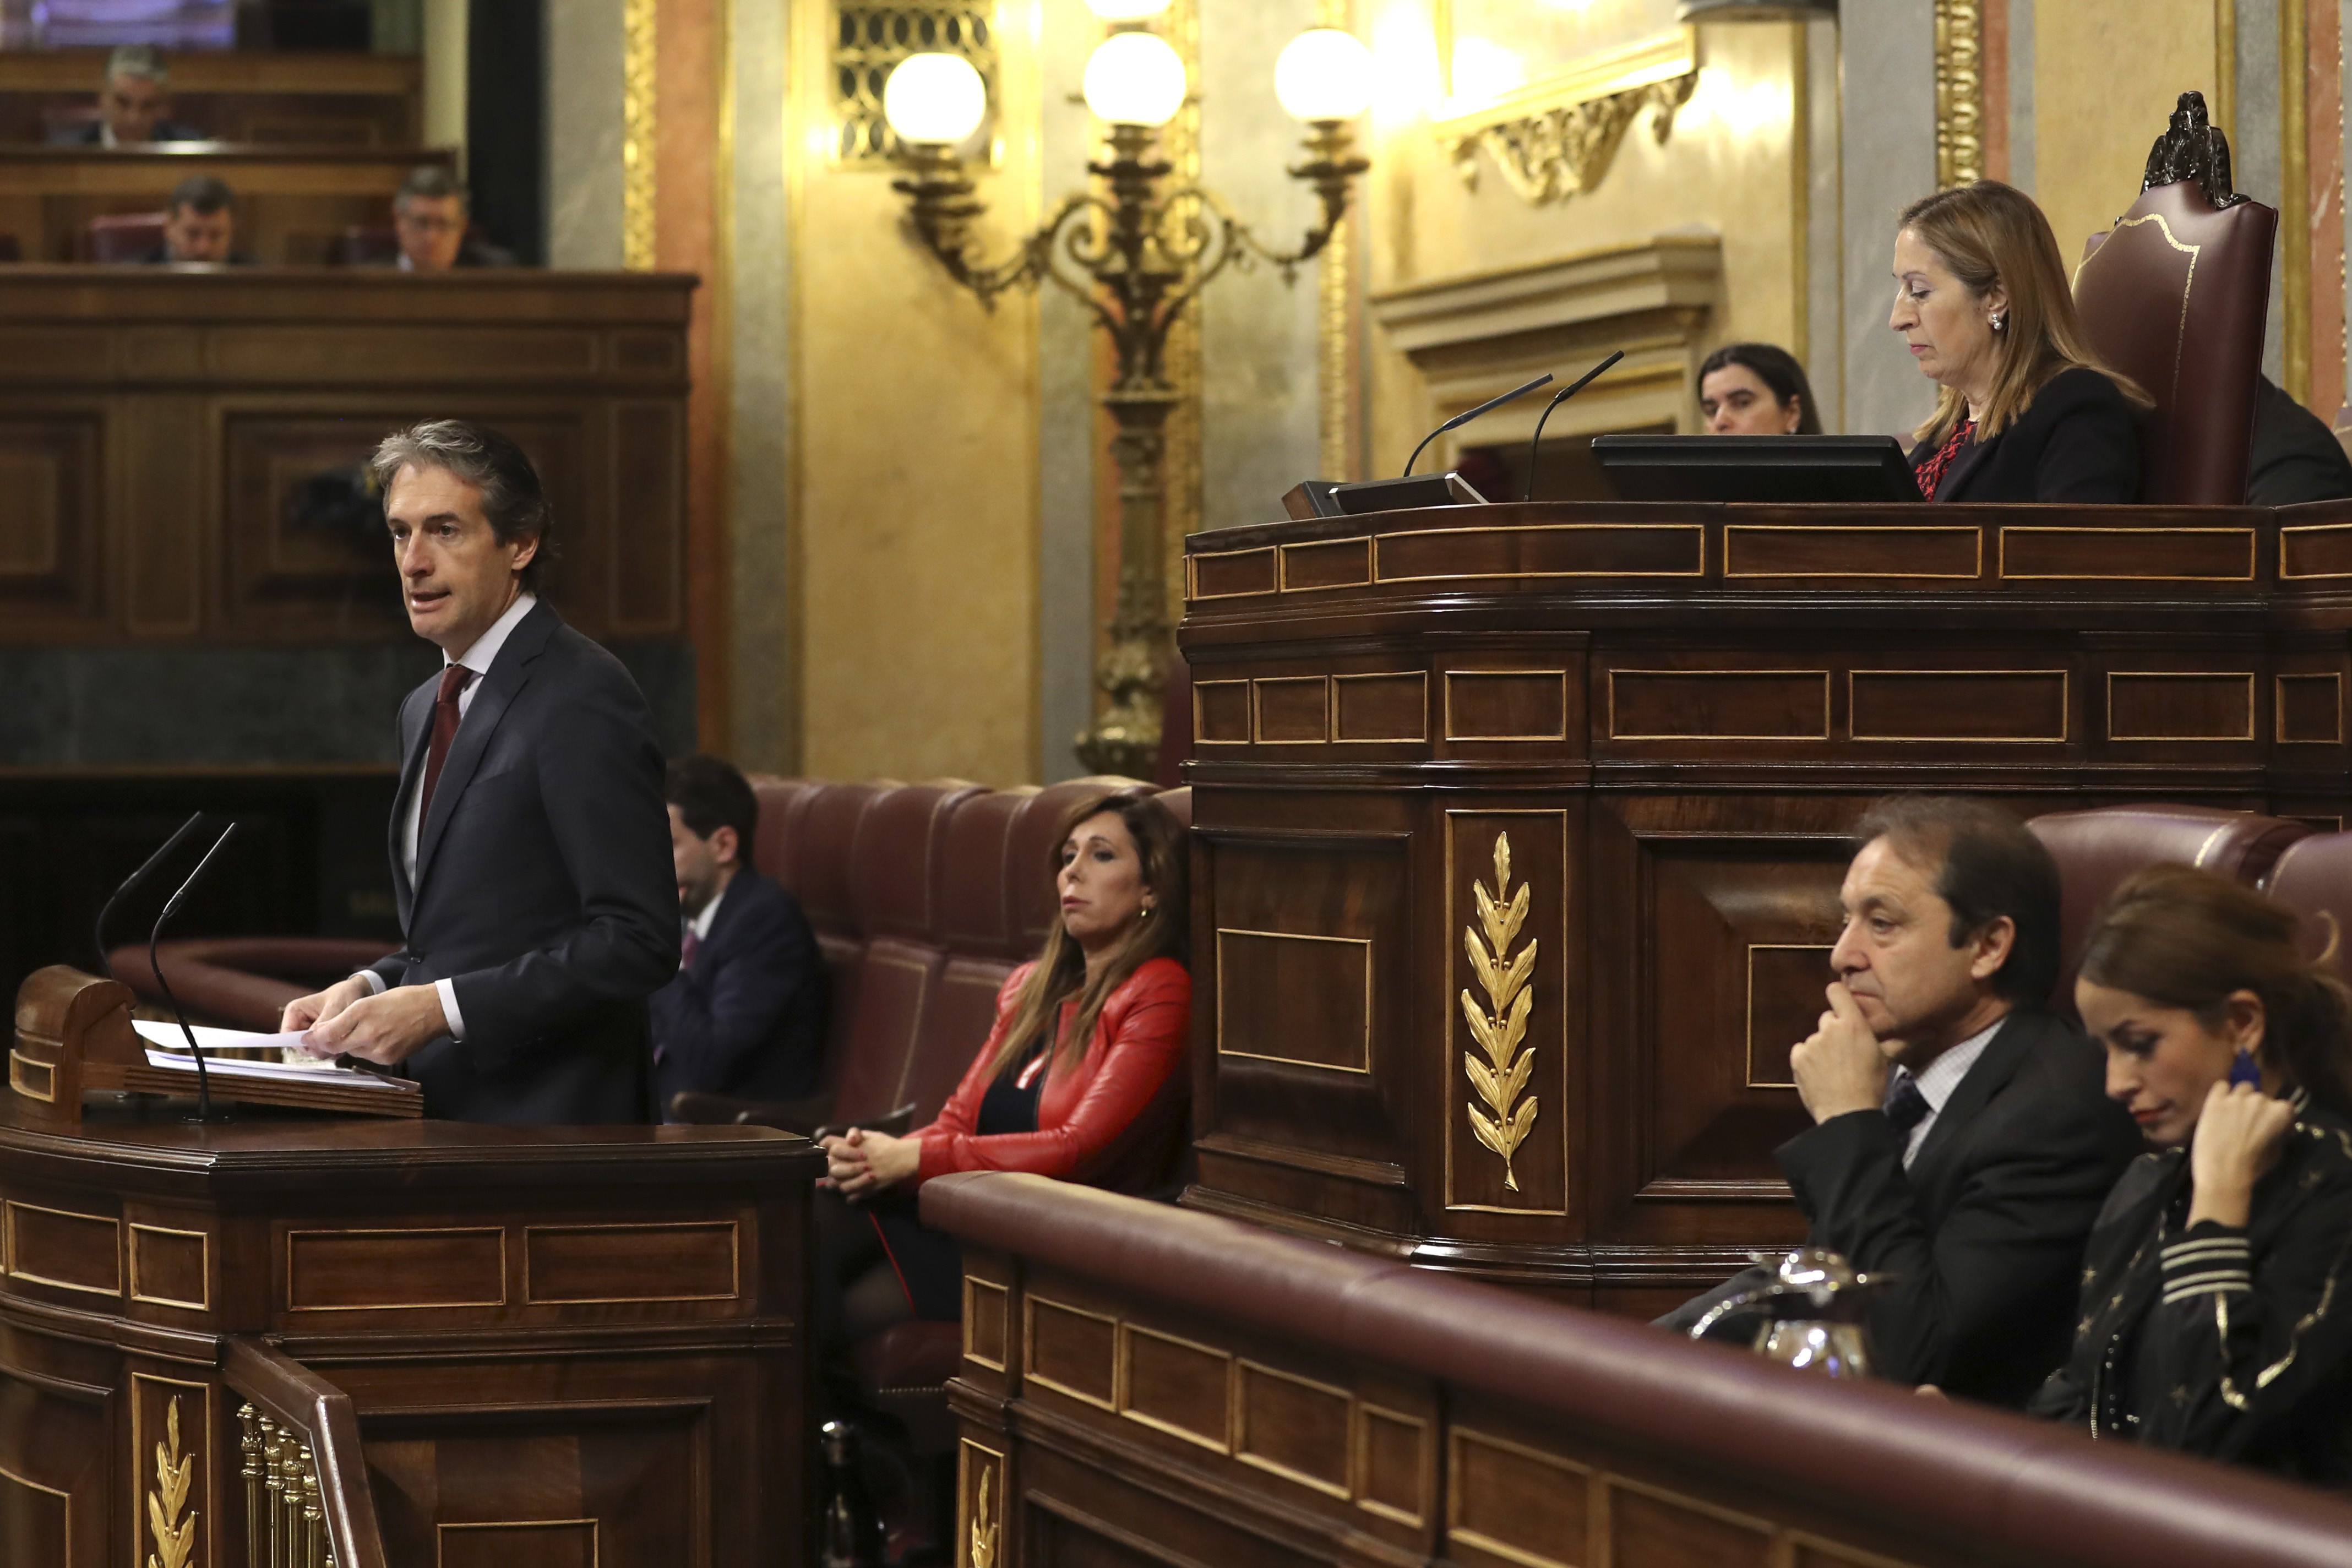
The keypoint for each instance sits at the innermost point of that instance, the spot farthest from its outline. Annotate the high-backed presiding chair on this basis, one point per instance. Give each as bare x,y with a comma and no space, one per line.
2175,296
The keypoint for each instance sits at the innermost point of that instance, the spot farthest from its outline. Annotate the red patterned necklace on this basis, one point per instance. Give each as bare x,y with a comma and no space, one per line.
1931,472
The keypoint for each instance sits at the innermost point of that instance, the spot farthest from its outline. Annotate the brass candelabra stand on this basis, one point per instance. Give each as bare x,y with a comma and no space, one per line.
1137,254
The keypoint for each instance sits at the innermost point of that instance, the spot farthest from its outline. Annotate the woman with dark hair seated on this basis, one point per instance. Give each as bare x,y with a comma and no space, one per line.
1081,1079
2027,412
2216,1308
1756,389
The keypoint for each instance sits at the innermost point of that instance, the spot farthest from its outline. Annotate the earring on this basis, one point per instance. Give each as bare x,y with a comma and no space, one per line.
1147,912
2243,1068
2001,323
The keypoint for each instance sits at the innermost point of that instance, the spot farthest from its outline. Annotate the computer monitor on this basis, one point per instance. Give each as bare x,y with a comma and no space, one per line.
1757,467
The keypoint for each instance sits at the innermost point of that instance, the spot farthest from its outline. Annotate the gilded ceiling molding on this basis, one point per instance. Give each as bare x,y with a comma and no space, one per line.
1556,153
1959,92
638,27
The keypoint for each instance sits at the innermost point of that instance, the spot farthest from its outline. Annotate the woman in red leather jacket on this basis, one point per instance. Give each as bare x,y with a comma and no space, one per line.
1082,1078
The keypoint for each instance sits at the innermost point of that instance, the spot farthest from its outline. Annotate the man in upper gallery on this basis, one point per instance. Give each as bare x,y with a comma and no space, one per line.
429,215
531,856
1963,1140
134,104
199,226
745,1014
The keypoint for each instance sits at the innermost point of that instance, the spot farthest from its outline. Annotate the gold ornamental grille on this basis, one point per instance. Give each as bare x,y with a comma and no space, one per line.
868,42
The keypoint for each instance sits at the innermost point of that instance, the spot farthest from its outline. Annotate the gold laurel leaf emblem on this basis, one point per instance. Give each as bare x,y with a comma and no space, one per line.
175,1537
1500,1027
984,1525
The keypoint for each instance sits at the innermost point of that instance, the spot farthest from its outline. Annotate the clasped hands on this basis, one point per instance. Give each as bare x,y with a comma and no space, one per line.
349,1018
860,1162
1842,1065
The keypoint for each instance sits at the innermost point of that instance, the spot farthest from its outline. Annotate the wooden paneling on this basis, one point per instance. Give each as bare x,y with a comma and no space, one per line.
1513,1504
63,1249
1074,1352
1378,708
1576,550
2311,709
1912,552
1718,705
171,1268
1306,1000
2015,705
1178,1387
1294,1426
1291,710
2180,705
362,1270
610,1265
339,99
1506,705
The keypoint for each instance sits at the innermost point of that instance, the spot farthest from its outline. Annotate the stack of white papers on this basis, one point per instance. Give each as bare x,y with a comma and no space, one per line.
302,1070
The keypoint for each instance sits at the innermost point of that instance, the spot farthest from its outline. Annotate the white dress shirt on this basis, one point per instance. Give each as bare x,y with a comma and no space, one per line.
1938,1081
478,658
700,924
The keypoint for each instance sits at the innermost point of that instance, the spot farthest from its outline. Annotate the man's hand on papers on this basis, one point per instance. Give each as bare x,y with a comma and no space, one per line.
386,1028
304,1011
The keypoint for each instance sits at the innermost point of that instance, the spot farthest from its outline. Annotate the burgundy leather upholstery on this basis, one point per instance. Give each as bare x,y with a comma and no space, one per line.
2314,878
2012,1490
2175,296
366,245
125,237
2097,850
243,983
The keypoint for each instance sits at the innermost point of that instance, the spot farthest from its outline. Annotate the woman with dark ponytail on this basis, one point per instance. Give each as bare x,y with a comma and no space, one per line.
2217,1299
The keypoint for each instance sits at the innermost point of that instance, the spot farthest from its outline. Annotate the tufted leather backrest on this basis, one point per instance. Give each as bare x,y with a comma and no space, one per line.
782,802
2175,296
2097,850
2314,878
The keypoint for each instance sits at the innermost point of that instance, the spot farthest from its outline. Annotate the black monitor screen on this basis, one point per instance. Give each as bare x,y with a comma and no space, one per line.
1757,467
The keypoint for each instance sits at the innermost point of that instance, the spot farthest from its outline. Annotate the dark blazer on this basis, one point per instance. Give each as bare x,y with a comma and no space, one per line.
1984,1234
544,887
747,1017
94,134
2077,441
2295,456
161,256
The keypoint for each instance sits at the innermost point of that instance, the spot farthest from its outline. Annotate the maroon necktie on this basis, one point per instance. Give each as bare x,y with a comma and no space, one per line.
445,730
687,947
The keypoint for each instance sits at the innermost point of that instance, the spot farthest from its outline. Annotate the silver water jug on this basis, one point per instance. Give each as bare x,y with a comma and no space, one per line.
1813,1309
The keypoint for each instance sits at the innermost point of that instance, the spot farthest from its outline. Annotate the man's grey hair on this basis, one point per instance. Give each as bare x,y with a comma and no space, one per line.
432,182
143,61
511,498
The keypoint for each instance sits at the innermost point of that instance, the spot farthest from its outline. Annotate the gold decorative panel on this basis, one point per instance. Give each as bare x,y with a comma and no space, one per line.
639,90
1959,92
868,42
1506,977
1500,1025
169,1517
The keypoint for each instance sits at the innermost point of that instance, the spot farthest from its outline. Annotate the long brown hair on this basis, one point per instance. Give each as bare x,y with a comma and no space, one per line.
1988,234
2186,938
1163,932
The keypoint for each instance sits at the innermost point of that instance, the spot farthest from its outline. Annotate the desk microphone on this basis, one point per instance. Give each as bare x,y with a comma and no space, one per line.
171,906
1488,407
98,930
1562,396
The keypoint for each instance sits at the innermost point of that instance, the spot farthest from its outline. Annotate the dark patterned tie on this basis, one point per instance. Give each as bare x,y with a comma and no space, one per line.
687,947
1906,1106
445,730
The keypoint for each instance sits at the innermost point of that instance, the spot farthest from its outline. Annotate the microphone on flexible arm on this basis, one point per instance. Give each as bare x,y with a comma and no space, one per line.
1535,447
1326,498
171,906
98,927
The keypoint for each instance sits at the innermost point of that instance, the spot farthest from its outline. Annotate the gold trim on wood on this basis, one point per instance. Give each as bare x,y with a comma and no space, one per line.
1363,943
20,1067
2066,711
1192,566
2246,576
639,84
734,1262
2286,532
1421,738
498,1231
205,1249
595,1532
173,1522
62,1496
2245,674
1282,583
1614,736
1378,575
1242,1368
1959,92
1732,531
979,1535
1200,687
1459,1437
14,1252
1749,1020
2278,708
1452,675
1224,1442
1501,1027
972,1284
1257,727
1029,1373
2294,221
1365,1415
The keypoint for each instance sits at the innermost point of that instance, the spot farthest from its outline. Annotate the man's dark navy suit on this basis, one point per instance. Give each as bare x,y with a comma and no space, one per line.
746,1017
544,890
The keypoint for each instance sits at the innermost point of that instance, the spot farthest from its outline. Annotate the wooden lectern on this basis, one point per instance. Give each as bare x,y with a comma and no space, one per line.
1518,829
281,1339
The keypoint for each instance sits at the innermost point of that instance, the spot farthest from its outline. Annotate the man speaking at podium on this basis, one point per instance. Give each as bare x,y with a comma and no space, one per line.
530,847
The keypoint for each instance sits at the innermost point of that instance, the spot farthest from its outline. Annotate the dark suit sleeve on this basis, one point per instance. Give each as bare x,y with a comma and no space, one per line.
2092,457
599,787
2013,1237
718,1017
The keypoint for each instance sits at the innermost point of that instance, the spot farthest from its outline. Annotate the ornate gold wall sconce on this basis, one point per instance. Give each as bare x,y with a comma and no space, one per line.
1137,253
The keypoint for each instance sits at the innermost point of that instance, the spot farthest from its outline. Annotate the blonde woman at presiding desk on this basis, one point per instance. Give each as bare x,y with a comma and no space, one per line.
1756,389
2027,413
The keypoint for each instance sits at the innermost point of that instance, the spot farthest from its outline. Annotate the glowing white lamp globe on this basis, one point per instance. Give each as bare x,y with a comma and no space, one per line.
1324,74
937,98
1126,10
1135,78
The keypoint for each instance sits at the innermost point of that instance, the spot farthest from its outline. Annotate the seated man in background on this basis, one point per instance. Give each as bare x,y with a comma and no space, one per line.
199,226
2295,456
429,215
1963,1139
745,1014
134,104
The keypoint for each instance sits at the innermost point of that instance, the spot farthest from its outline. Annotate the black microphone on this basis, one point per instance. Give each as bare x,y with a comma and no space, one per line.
1459,420
171,906
97,929
1562,396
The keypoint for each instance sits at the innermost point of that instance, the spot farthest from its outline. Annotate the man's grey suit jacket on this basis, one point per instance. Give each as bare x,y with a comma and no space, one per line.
544,888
